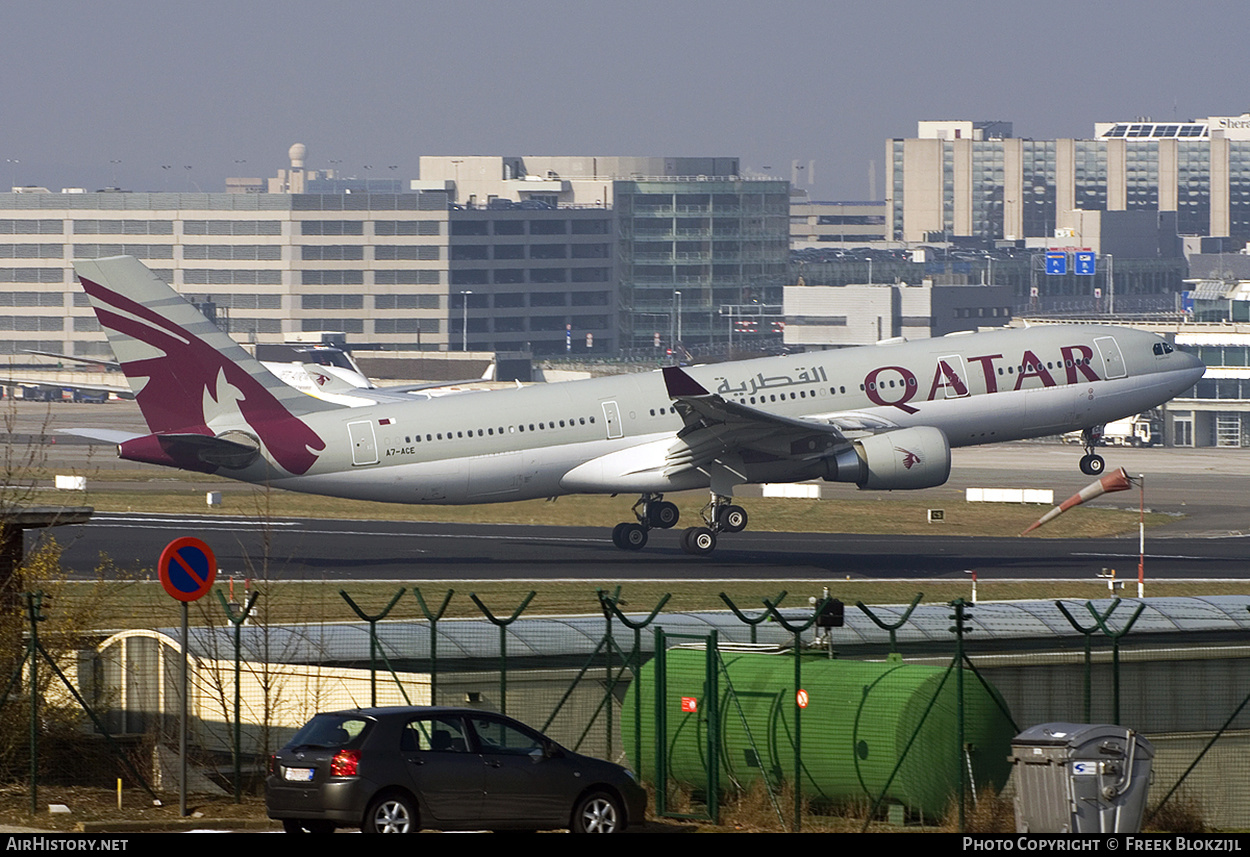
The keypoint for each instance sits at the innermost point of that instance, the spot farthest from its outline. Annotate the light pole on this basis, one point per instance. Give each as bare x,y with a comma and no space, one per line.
1141,536
1110,284
464,325
677,298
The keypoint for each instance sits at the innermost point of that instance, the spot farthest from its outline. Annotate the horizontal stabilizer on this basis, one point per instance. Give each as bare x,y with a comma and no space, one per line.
191,451
102,435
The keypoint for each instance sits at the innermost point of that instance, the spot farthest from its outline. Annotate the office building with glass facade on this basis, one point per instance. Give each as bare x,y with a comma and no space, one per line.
700,251
700,257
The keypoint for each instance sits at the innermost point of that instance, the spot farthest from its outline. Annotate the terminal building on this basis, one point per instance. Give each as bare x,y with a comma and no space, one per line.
543,255
392,271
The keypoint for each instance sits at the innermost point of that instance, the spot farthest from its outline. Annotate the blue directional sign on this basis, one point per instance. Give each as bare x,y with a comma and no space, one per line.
1056,263
187,569
1083,263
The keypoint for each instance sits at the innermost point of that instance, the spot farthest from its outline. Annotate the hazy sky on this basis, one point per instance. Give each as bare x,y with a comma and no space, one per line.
226,87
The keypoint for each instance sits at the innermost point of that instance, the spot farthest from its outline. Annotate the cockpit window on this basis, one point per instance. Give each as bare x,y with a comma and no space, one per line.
1162,348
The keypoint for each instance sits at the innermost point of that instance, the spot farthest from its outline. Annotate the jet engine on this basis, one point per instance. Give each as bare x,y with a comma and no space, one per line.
918,457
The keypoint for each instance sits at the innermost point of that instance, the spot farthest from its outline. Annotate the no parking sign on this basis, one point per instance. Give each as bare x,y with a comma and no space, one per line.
187,569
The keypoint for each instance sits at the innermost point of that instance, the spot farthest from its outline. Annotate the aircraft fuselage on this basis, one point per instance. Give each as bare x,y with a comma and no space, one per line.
610,435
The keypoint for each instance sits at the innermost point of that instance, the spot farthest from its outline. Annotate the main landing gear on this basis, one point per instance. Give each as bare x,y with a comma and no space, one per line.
1092,464
720,515
652,511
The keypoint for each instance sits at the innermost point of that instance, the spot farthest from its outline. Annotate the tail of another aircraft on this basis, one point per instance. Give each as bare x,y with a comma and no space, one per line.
192,381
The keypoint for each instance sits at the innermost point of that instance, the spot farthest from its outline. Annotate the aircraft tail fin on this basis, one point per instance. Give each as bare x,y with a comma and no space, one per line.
189,376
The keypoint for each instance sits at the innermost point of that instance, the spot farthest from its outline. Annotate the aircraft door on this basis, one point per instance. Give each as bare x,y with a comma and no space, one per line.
1112,359
952,376
612,420
364,444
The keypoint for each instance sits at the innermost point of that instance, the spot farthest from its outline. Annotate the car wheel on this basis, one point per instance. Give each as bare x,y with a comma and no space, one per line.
391,813
598,812
297,825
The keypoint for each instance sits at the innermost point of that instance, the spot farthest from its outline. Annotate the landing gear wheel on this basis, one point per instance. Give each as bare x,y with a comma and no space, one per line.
663,515
732,519
698,541
630,537
1093,465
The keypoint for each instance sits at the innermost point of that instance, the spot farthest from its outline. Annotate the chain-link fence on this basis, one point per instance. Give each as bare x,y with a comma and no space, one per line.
900,712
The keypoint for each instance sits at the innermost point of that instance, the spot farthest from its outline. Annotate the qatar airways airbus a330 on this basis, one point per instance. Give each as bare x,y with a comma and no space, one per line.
882,416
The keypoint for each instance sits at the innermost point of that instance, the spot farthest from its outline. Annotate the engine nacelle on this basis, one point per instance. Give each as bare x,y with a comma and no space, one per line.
918,457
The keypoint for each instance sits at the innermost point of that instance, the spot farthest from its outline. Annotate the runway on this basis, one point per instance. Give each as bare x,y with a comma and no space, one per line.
1205,488
390,550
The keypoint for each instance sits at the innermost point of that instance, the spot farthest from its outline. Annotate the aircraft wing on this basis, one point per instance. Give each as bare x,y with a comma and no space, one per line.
715,427
115,389
430,385
93,361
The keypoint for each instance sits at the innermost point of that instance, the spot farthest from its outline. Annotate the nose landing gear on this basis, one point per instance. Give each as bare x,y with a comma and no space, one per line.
1092,464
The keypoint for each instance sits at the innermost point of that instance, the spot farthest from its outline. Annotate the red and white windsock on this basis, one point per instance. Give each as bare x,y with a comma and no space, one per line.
1117,480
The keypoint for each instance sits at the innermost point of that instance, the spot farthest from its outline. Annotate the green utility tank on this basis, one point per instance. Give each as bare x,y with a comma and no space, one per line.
861,719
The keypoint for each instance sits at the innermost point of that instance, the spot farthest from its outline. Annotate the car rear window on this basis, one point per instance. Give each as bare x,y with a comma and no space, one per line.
330,731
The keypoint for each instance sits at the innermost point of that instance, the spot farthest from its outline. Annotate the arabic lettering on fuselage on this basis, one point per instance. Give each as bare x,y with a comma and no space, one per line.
897,386
751,386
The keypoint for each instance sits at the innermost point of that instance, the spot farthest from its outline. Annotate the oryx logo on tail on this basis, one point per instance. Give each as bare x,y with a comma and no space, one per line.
185,385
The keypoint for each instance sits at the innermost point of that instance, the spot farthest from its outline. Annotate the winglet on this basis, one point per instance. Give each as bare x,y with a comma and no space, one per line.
681,384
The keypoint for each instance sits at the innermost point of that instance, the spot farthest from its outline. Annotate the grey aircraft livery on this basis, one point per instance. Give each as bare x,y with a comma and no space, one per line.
882,416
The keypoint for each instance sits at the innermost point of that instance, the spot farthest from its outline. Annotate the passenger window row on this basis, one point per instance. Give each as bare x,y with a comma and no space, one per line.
487,432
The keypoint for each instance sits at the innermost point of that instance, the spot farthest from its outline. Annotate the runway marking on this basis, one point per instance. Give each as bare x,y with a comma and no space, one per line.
1137,555
195,521
227,525
474,536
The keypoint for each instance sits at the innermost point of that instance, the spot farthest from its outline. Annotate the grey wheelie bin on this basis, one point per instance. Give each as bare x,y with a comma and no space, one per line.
1080,778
